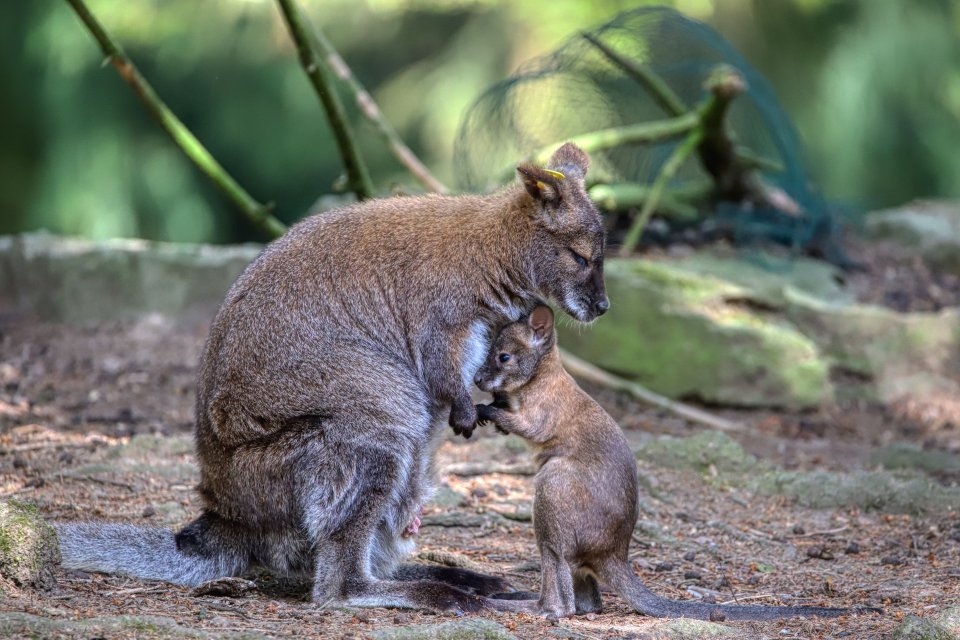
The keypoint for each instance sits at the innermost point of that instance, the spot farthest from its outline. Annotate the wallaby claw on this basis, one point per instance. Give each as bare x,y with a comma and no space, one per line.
463,419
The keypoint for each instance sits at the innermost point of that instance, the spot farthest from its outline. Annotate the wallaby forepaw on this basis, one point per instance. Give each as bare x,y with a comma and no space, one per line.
463,419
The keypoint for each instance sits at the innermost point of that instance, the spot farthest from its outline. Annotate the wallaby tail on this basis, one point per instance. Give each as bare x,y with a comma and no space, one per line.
188,558
619,576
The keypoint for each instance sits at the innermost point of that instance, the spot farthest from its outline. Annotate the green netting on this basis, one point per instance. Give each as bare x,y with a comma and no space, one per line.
577,89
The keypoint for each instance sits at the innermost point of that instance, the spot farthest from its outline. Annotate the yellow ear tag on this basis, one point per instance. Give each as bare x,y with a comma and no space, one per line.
555,174
541,185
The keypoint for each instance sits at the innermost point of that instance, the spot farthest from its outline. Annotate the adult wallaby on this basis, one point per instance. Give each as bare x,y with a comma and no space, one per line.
329,371
585,504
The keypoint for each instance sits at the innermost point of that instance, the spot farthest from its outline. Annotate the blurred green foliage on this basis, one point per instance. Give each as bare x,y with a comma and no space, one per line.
873,86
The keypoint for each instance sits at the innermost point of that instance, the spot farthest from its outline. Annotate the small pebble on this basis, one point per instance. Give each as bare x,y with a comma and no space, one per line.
716,615
853,547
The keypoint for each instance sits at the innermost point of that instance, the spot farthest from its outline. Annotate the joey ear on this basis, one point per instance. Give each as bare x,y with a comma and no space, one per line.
542,184
541,321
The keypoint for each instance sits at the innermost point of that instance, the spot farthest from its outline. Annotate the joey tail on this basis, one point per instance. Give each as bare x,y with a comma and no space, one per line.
201,551
619,576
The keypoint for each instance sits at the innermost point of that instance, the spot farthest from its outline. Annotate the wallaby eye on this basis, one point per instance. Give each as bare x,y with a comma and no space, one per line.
580,260
504,357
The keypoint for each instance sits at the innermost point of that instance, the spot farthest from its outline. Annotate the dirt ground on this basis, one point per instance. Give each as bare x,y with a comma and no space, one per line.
95,423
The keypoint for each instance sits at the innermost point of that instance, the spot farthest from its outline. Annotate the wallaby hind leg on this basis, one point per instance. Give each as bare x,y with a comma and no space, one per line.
586,593
343,520
221,546
556,586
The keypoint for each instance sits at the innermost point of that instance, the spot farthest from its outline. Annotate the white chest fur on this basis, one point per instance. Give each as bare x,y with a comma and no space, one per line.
475,348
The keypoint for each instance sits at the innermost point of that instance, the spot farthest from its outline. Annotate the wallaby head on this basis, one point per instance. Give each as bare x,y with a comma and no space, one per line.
517,350
568,242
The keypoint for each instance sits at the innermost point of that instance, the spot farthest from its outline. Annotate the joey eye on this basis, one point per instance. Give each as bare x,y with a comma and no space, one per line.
580,260
504,357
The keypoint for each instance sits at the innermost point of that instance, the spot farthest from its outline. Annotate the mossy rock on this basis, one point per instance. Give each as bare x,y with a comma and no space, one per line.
902,455
892,492
916,628
705,452
466,629
763,332
894,351
24,625
29,550
77,280
690,629
929,227
687,335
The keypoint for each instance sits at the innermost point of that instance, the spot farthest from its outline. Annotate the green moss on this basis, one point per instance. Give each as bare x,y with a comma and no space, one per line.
894,492
690,629
902,455
28,546
676,333
467,629
914,628
705,452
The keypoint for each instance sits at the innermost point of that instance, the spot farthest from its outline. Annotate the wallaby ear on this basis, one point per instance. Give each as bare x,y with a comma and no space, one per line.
571,160
541,321
542,184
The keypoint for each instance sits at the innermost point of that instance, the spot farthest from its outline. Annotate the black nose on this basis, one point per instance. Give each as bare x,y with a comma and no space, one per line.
602,305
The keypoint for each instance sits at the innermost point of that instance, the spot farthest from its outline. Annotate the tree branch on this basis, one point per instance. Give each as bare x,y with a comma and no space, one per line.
368,107
357,174
259,214
659,90
643,132
584,370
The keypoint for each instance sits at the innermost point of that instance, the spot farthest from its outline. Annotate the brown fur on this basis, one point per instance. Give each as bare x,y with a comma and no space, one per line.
329,370
585,504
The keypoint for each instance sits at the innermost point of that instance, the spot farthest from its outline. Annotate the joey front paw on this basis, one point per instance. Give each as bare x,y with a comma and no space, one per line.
490,413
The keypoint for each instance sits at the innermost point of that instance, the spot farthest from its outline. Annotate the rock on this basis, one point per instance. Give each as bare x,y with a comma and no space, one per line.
950,618
227,587
688,628
705,452
902,455
29,550
895,354
25,625
465,629
914,628
891,492
932,228
446,498
78,280
687,335
763,332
